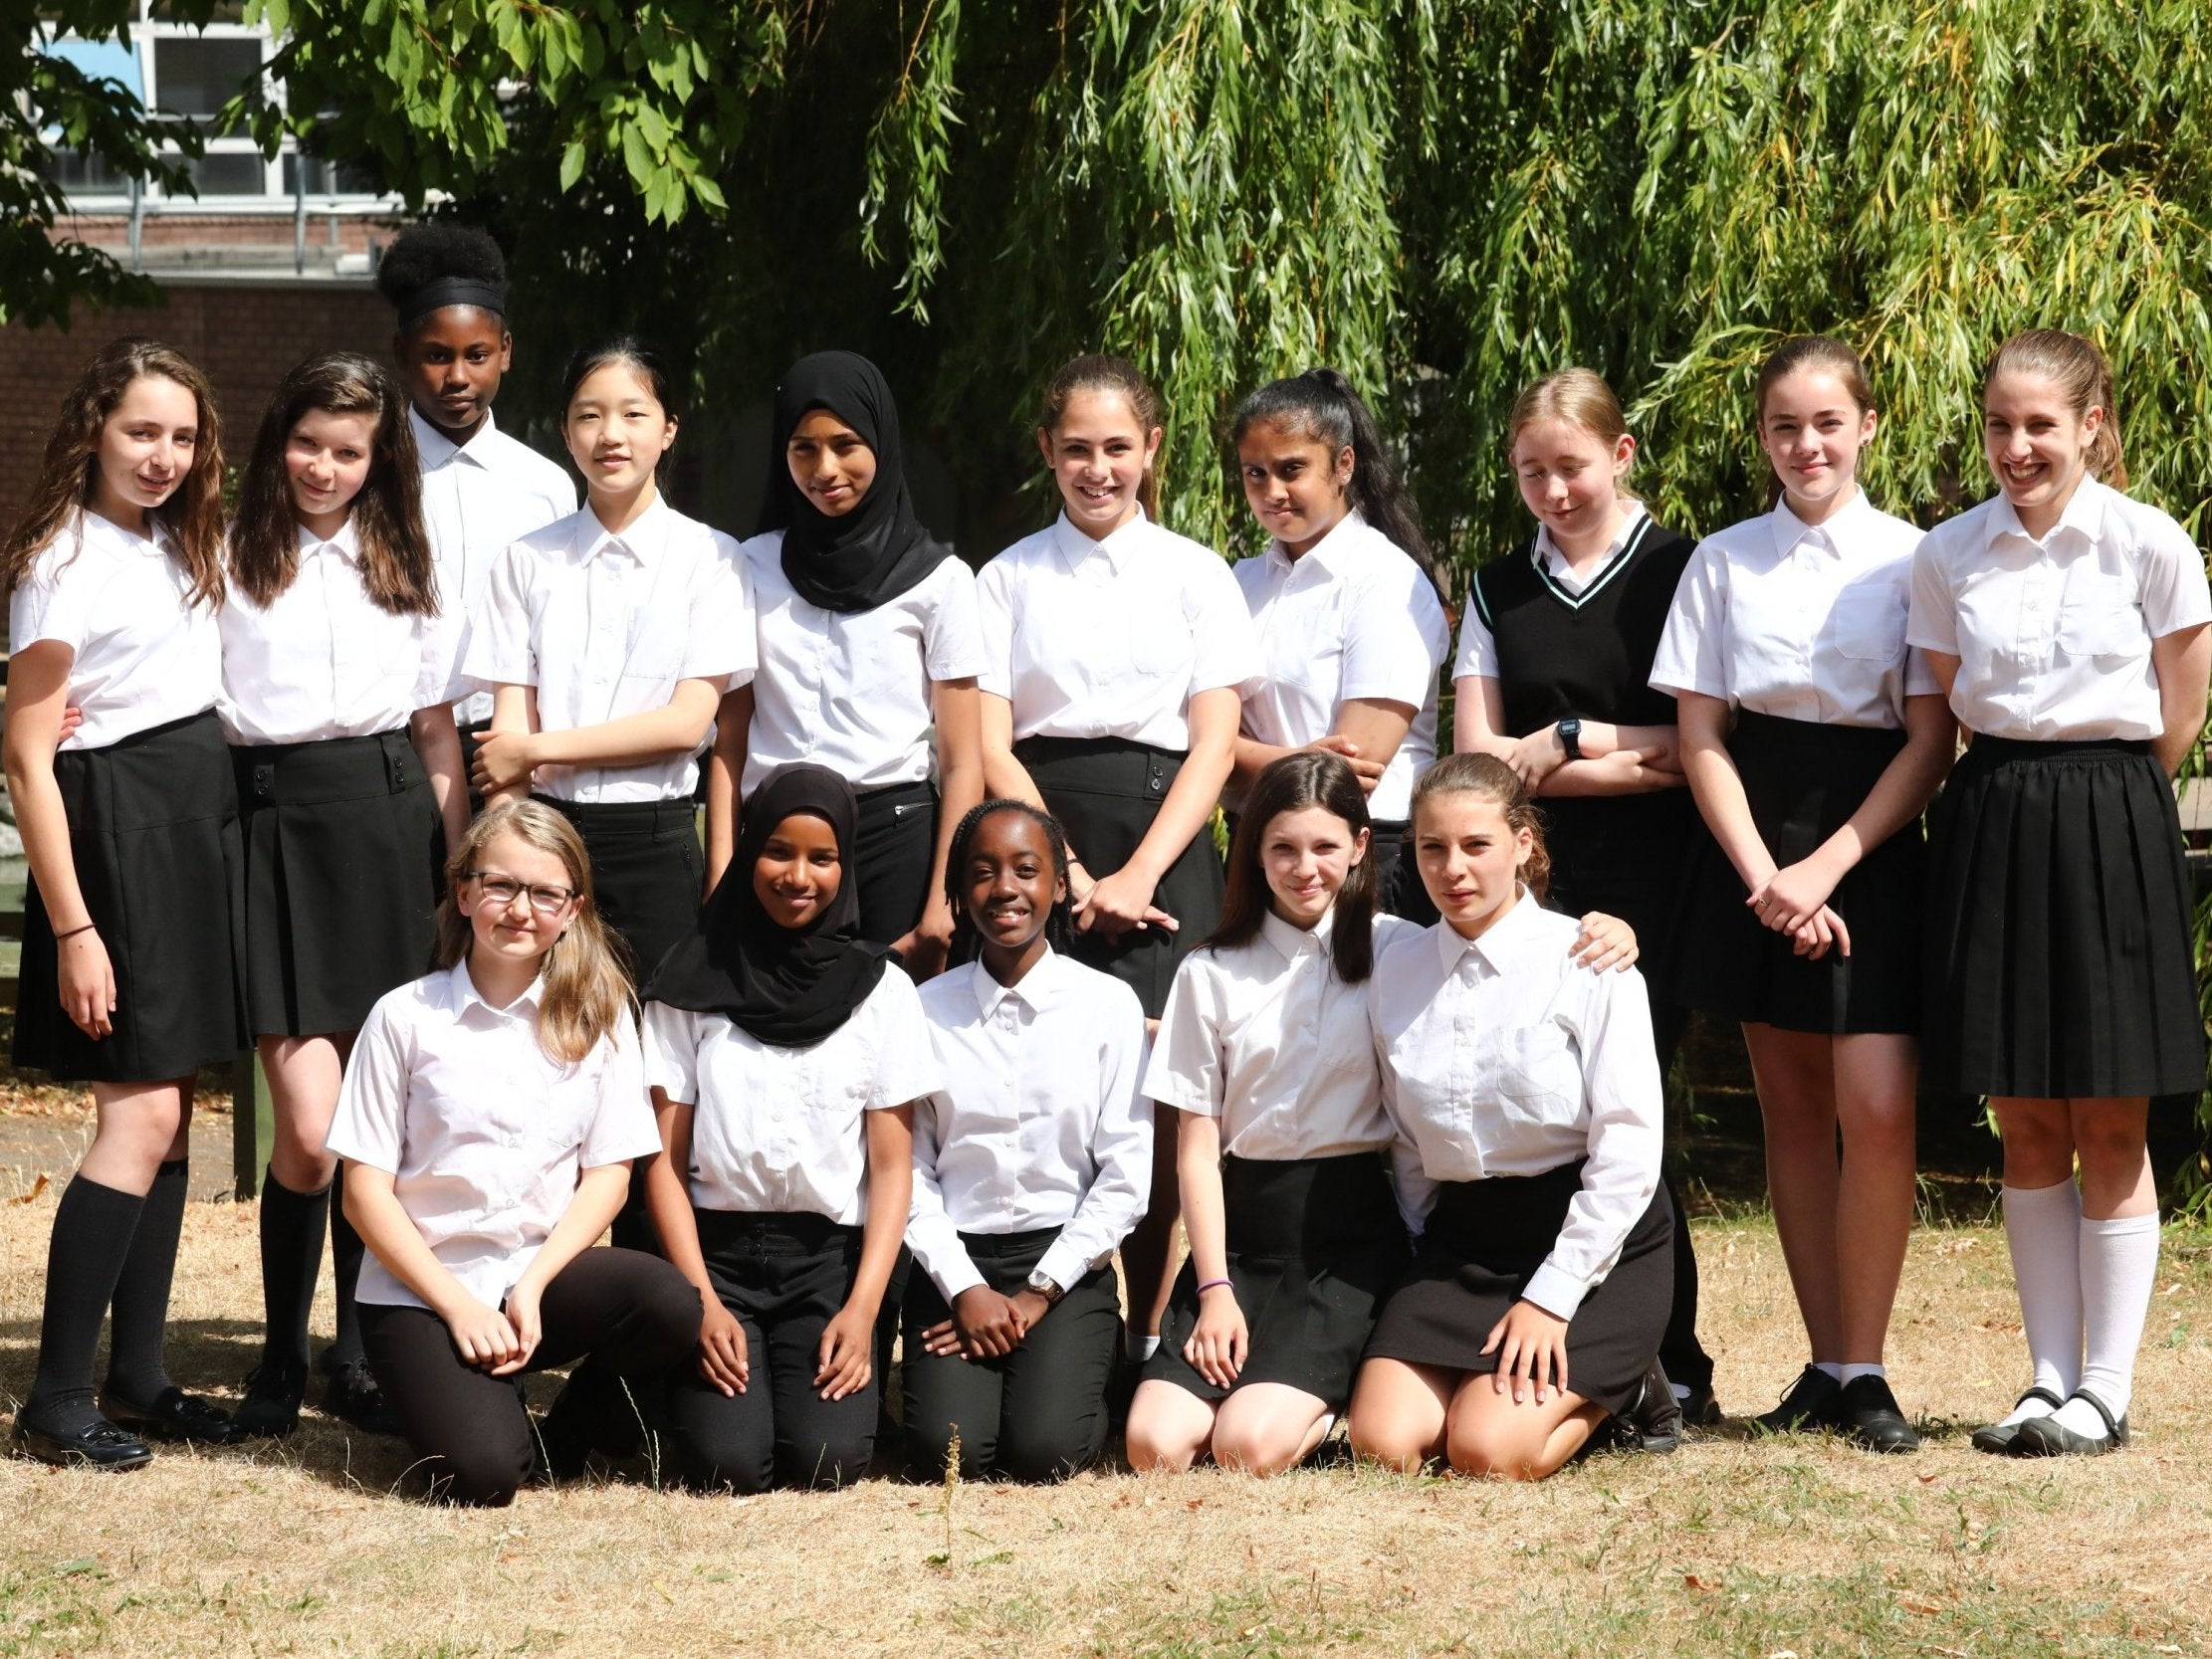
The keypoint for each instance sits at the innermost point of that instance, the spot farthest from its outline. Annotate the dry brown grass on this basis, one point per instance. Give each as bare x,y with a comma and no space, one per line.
1731,1548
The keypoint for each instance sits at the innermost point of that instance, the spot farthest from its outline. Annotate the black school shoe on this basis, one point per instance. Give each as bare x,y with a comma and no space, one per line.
172,1416
1699,1408
2000,1441
1868,1414
99,1444
2048,1437
270,1408
1652,1421
355,1396
1813,1403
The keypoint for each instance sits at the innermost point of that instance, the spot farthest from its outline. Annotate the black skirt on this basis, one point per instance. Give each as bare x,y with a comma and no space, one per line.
1803,780
344,845
1106,792
647,872
2059,957
153,832
1399,888
896,832
1484,1243
1314,1246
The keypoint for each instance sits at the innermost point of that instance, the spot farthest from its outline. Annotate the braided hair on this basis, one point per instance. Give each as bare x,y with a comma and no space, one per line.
1059,925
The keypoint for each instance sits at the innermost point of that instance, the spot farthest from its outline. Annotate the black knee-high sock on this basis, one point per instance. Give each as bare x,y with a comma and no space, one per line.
291,1257
93,1229
346,1252
141,1300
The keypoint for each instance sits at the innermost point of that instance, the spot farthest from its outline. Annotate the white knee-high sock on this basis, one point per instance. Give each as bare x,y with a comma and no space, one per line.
2120,1269
2042,1228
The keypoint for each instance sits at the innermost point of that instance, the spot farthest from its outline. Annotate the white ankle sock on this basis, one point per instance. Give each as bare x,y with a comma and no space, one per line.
1142,1348
1851,1374
1829,1368
2120,1269
2042,1228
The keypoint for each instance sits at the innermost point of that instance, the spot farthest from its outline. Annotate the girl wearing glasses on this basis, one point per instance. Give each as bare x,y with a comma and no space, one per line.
488,1122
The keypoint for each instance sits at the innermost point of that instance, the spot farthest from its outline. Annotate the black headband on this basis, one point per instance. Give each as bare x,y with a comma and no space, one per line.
436,294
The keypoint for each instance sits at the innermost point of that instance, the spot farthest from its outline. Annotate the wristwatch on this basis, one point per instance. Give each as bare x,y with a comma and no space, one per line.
1044,1286
1570,737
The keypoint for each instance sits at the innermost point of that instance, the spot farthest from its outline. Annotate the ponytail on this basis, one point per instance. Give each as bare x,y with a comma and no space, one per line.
2079,370
1473,773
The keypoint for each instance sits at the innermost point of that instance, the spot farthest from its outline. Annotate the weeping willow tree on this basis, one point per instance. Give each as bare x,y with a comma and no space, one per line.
1445,198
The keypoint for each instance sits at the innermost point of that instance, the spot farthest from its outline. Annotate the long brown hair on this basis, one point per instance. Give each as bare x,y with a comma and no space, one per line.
1492,779
1100,373
2078,369
192,516
1291,783
387,515
586,991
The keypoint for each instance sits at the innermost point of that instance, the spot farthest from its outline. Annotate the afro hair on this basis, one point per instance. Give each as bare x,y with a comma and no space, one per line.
423,254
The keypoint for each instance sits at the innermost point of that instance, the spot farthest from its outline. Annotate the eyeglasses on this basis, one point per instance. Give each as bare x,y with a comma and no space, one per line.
544,898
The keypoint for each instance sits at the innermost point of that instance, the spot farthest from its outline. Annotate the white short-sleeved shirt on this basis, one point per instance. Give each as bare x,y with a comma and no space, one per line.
606,625
1354,617
1266,1037
483,1132
851,690
478,500
2054,637
1038,1123
1112,638
323,660
144,656
1805,622
1501,1056
779,1129
1478,646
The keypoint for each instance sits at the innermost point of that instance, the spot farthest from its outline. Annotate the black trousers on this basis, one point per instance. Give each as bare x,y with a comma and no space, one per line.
1036,1415
785,1277
896,832
626,1313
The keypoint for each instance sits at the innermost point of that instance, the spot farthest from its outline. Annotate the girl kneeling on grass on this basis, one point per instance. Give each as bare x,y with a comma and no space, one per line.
1528,1106
488,1120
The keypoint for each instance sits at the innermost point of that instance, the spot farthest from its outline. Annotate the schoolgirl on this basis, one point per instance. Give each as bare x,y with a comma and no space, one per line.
610,637
1814,738
1114,655
1350,619
1527,1107
337,669
1030,1165
869,649
786,1056
128,979
1554,658
482,489
488,1120
2067,623
1264,1051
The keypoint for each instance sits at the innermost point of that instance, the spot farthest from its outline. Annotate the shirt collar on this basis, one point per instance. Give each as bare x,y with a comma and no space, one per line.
346,543
1326,555
1549,558
437,450
93,528
1789,529
2083,514
644,540
1038,988
1074,546
462,992
1500,942
1293,943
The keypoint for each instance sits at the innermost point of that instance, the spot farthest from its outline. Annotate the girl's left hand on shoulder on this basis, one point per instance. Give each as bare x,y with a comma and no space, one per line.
504,760
1531,1349
521,1310
1606,942
923,950
845,1361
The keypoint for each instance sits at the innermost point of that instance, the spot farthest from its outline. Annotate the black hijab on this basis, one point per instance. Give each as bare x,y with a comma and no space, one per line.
879,550
790,988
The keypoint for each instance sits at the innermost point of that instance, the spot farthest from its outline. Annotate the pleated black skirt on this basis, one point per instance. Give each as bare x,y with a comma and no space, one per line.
1803,780
344,845
896,832
153,831
2059,957
1485,1240
1106,793
647,872
1314,1246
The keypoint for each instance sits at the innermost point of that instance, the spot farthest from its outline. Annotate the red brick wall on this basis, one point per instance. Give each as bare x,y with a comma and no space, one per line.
243,334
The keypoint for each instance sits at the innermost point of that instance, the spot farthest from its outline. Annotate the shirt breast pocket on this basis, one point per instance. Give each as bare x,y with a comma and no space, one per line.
2099,618
1539,1077
1869,624
1159,643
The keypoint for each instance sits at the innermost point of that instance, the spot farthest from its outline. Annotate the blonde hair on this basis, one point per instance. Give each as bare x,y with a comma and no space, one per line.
1578,397
586,989
2079,370
1492,779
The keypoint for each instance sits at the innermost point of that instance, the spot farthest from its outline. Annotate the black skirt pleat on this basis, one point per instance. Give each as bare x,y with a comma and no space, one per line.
1484,1241
1803,782
153,832
2060,964
1314,1246
344,845
1106,792
647,872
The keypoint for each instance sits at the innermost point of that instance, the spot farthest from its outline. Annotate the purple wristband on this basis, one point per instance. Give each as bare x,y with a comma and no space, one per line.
1211,1284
